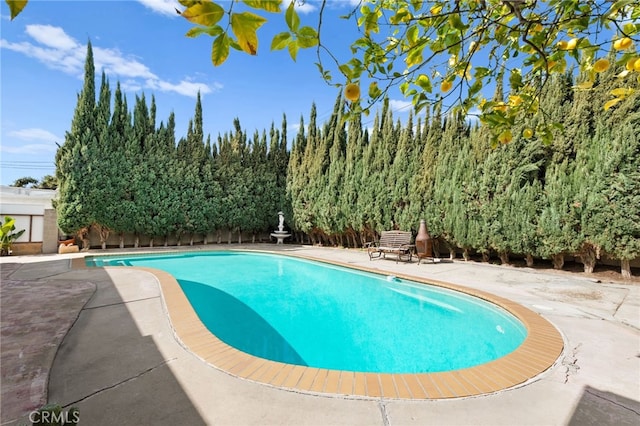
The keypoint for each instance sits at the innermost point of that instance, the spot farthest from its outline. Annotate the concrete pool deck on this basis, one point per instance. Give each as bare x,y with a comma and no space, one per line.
121,363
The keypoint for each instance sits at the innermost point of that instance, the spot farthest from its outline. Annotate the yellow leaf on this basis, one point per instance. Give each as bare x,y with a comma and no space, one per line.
500,106
620,92
16,6
611,103
206,13
515,100
268,5
585,85
601,65
244,26
505,137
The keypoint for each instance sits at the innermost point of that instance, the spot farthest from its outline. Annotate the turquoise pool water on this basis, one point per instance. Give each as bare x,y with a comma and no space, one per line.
314,314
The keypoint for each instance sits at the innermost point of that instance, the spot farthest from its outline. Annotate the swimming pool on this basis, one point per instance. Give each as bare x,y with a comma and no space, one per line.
317,315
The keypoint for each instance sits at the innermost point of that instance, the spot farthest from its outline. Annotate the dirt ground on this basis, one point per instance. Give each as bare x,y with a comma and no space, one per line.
601,273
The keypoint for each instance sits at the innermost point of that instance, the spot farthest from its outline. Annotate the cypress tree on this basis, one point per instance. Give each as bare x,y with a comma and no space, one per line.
279,159
352,182
621,228
103,164
295,180
402,171
73,161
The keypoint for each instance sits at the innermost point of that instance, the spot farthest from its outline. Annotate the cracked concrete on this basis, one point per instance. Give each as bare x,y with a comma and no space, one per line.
570,362
120,362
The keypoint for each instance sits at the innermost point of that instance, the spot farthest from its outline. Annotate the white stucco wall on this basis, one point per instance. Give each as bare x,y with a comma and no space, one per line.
27,207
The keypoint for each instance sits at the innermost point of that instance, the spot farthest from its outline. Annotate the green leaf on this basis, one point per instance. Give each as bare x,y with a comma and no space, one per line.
207,14
326,75
617,6
268,5
371,22
424,83
515,79
292,18
214,31
280,41
412,35
416,4
16,6
480,72
244,26
235,44
307,37
293,49
402,15
220,49
346,70
456,22
404,86
414,57
374,90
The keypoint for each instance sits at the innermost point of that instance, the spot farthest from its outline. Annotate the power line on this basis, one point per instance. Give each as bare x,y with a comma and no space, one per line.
27,165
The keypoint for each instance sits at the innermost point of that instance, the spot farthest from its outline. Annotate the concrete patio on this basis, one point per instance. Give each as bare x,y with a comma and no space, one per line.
100,339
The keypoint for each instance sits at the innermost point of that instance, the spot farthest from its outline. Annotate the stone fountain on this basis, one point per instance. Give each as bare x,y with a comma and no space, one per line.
280,234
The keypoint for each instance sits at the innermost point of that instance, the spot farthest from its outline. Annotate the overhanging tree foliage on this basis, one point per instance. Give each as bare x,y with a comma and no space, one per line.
460,47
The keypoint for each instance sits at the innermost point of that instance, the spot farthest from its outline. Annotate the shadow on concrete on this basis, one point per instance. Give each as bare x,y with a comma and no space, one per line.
248,332
599,408
108,367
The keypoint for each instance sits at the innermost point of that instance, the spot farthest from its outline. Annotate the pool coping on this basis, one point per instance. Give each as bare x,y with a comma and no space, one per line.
540,350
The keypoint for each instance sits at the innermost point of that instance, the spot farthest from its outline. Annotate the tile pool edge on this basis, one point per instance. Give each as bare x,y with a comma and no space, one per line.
539,351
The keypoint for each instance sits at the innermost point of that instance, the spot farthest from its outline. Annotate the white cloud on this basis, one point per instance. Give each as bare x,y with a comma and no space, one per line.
57,50
47,141
34,134
303,7
348,3
51,36
400,106
114,62
184,87
164,7
29,149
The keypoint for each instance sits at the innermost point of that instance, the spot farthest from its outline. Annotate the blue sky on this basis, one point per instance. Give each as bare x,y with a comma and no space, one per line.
142,45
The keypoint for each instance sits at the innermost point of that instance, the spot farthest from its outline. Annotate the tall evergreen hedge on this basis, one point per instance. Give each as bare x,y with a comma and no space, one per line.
342,183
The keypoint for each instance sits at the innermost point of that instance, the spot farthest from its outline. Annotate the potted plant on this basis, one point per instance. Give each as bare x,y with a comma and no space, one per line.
8,236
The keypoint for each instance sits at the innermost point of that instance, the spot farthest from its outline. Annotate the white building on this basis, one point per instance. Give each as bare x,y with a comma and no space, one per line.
33,211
